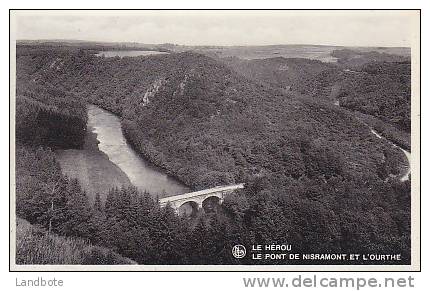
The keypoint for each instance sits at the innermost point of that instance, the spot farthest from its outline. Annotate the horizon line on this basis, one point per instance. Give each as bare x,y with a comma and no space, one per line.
210,45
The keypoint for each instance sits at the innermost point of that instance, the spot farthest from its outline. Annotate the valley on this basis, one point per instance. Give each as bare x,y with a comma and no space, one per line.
142,127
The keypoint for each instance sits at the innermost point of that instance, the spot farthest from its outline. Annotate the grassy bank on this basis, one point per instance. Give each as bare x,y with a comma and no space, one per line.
95,172
35,246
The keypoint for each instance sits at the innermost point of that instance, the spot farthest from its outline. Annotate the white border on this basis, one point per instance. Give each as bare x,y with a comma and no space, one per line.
415,209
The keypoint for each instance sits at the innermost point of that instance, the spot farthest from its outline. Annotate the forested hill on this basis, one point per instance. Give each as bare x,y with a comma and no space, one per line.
354,58
182,108
280,71
315,176
373,83
46,114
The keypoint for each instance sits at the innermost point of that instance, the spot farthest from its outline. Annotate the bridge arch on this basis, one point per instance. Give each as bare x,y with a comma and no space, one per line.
188,208
211,203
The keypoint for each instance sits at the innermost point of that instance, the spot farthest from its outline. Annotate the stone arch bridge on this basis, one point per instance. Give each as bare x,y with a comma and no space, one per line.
199,197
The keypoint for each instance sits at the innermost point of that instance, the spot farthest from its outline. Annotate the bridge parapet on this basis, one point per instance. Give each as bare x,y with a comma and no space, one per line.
199,196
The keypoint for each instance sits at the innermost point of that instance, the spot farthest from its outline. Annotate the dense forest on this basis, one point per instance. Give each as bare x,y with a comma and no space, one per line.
46,115
316,177
132,223
36,246
373,83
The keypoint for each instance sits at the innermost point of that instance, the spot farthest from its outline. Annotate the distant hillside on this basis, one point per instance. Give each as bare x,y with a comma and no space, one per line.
66,44
373,83
280,72
356,58
379,89
35,246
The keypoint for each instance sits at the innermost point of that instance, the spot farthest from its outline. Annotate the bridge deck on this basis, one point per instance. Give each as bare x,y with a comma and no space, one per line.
202,192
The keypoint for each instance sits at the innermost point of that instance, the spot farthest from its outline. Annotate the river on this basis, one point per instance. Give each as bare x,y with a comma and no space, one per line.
110,161
405,175
141,173
107,160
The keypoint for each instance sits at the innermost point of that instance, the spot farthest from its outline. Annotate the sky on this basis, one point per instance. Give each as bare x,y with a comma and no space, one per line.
347,28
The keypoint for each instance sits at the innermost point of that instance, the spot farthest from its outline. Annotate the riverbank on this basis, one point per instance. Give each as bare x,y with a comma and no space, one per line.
93,169
107,160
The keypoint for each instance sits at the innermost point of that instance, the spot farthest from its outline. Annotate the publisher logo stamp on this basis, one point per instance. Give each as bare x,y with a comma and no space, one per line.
238,251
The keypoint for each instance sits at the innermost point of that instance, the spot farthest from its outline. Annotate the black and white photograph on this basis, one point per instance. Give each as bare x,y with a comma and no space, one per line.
206,140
